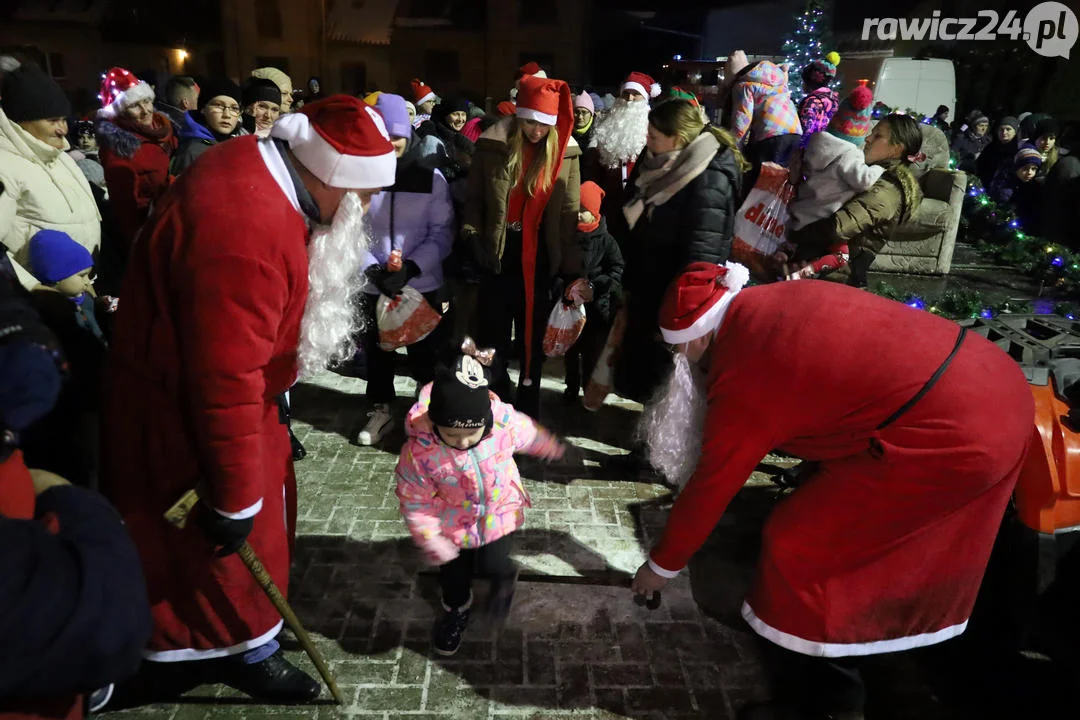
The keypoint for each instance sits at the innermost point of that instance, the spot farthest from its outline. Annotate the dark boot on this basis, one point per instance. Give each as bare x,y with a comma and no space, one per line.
299,452
448,631
274,680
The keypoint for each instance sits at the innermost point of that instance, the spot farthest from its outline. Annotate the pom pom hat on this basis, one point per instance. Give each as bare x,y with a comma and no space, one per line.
342,141
121,89
538,99
696,302
422,93
852,119
529,68
642,83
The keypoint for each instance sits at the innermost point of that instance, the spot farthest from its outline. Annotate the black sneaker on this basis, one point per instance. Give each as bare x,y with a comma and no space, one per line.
448,632
273,681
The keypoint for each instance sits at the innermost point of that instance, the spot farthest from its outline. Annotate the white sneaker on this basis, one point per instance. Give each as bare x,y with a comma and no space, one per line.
380,422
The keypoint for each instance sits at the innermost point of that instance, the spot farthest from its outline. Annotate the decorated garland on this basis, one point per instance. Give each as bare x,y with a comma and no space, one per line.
967,303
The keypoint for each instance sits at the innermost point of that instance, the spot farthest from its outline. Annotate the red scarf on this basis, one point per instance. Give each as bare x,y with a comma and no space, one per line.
159,131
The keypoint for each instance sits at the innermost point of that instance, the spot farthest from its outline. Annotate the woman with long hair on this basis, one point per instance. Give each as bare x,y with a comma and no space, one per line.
684,192
518,232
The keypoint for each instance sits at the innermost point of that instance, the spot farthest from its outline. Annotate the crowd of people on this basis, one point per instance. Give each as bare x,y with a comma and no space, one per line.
194,251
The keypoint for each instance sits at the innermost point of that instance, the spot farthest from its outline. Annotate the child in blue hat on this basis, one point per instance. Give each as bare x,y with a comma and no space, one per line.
64,265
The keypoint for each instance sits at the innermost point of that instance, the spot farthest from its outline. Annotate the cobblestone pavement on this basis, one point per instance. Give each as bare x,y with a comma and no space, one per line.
568,650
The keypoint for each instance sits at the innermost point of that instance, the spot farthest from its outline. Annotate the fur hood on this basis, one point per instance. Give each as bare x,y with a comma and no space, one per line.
125,142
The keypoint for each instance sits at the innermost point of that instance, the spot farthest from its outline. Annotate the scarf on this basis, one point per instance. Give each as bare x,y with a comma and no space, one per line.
662,176
160,131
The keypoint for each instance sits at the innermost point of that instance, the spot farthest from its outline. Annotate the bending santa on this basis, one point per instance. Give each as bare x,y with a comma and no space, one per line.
245,271
883,546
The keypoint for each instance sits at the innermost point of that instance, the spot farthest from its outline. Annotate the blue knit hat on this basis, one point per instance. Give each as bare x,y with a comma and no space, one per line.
54,256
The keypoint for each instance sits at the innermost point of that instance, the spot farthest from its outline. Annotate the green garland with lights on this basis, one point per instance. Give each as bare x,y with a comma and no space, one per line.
967,303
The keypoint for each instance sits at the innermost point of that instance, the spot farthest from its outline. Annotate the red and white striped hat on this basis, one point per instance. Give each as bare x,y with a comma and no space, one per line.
342,141
642,83
696,302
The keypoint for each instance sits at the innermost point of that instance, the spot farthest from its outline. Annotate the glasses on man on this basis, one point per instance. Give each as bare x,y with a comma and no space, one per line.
223,109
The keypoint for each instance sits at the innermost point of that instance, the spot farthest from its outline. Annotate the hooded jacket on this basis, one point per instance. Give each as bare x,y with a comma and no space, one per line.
836,171
452,498
43,189
761,105
195,139
602,264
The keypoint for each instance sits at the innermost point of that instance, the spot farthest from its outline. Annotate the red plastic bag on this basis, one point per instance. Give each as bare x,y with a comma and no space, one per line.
566,321
761,223
405,319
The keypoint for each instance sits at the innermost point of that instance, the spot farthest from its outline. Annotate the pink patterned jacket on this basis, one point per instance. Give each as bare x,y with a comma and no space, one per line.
454,499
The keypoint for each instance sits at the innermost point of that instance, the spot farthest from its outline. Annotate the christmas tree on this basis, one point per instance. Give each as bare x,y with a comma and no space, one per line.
810,41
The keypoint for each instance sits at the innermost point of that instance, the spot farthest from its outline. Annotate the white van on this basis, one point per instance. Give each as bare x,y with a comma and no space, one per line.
901,82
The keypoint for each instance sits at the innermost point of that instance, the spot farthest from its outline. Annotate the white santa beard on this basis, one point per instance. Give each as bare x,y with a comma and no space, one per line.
620,138
330,319
673,424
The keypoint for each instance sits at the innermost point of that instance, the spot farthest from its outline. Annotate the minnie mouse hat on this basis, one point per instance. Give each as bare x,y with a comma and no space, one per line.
460,394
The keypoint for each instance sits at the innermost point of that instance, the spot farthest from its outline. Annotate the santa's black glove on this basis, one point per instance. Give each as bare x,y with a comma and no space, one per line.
223,532
391,284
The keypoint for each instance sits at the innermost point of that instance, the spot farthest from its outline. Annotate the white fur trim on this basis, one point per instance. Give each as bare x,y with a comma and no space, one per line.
135,93
662,572
244,514
709,321
638,87
654,90
737,276
429,96
822,649
276,165
354,172
542,118
193,654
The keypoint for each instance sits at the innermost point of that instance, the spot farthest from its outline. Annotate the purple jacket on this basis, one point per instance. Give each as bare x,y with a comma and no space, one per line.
423,229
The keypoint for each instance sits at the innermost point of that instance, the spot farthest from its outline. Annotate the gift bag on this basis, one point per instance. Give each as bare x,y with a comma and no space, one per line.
761,223
566,321
603,375
405,319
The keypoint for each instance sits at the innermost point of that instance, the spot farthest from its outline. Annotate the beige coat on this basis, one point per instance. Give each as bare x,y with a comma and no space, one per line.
43,189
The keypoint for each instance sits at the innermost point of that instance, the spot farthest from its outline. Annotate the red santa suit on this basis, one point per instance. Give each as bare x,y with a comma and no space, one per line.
205,341
884,547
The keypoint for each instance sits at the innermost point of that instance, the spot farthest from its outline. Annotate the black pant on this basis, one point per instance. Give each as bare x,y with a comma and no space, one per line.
501,325
815,684
581,359
380,363
456,576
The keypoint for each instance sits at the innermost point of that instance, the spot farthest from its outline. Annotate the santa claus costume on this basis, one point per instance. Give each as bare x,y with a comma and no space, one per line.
918,429
205,343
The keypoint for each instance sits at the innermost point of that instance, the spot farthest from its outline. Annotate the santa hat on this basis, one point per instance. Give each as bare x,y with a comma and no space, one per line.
851,121
696,302
642,83
529,68
538,99
505,108
422,92
584,100
342,141
121,89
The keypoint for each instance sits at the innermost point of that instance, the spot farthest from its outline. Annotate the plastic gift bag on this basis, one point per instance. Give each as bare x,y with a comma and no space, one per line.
566,321
603,375
761,223
405,319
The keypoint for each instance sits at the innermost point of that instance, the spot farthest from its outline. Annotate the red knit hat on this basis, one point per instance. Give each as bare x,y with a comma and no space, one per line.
695,303
342,140
120,89
592,196
422,93
641,83
538,99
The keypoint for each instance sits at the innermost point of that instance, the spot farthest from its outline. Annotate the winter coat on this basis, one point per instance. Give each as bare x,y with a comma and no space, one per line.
415,216
487,202
1026,198
868,219
993,157
459,152
195,139
762,106
74,613
43,189
967,147
835,172
584,139
602,264
816,110
695,224
136,171
452,498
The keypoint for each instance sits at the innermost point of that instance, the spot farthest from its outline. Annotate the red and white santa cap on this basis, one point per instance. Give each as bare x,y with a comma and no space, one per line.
120,89
642,83
538,99
696,302
342,141
422,93
530,68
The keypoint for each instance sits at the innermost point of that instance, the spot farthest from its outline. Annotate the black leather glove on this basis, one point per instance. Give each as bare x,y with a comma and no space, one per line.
223,532
391,284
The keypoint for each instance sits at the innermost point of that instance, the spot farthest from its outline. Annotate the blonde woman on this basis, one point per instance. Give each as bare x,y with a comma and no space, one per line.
683,193
519,224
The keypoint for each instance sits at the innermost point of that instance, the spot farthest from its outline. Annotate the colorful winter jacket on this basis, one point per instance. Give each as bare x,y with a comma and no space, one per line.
816,110
452,498
761,105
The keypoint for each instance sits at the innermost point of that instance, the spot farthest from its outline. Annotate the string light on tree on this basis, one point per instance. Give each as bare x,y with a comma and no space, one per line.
805,43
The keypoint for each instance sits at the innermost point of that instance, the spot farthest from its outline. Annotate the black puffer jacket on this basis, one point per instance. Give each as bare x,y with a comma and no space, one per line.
696,224
602,264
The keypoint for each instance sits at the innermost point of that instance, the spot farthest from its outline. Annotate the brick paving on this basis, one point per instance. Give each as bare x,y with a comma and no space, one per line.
567,651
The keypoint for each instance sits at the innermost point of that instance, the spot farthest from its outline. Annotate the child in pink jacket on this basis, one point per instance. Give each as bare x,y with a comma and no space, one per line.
460,490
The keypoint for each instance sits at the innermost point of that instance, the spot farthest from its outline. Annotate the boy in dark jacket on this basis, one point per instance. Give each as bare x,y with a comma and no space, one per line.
602,265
